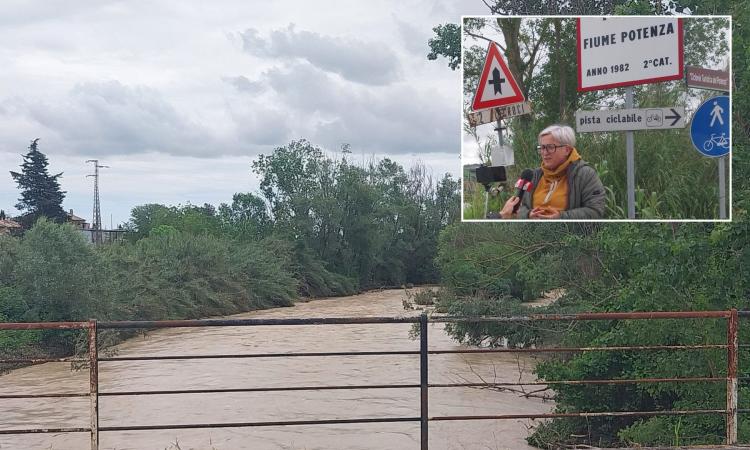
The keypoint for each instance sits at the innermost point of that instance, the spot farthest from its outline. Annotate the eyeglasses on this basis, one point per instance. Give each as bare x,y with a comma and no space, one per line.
548,148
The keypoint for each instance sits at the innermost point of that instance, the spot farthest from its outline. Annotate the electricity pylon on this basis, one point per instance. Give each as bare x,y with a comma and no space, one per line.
97,219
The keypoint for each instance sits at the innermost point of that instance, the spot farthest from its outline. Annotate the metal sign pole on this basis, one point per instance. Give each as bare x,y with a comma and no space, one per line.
486,200
630,157
722,189
499,131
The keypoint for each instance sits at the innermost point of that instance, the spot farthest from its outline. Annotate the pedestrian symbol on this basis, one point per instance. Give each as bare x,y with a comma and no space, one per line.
716,113
709,129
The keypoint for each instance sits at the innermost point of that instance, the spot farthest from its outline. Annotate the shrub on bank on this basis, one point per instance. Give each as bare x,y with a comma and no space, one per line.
52,274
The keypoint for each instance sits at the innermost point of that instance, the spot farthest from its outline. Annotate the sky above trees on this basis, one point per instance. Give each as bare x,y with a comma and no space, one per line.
179,97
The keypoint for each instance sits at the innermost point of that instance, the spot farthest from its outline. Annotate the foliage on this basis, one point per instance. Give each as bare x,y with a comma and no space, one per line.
446,43
188,218
171,275
40,192
52,274
57,273
609,268
375,225
496,261
246,218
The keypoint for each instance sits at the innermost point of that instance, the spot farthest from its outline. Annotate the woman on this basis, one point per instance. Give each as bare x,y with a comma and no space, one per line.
564,187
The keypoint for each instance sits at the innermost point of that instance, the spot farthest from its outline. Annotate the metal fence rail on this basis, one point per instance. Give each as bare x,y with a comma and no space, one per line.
92,327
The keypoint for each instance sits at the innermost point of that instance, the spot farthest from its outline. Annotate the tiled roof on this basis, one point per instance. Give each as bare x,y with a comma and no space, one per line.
7,223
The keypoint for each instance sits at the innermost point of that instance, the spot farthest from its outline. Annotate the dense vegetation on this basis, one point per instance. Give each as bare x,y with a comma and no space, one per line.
609,268
322,227
494,269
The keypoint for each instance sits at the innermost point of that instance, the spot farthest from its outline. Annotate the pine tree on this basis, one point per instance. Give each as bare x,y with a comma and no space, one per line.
40,191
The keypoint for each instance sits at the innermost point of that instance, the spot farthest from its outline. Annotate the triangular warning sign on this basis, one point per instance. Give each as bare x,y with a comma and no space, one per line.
497,87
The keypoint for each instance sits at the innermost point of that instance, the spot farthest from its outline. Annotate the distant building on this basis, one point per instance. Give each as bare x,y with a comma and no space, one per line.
8,226
78,222
94,236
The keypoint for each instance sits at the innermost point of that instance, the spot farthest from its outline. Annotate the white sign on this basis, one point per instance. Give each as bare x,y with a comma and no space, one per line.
496,87
502,156
630,119
502,112
625,51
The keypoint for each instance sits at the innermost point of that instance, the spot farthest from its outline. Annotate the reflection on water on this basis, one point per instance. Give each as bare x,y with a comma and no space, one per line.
275,372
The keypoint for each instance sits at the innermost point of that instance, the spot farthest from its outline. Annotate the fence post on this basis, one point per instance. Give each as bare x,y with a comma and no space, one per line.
732,356
94,385
423,380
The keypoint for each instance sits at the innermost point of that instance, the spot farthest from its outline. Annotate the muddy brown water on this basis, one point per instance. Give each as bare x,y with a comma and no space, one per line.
278,372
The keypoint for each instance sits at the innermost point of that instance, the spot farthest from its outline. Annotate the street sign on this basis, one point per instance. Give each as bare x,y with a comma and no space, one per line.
502,112
709,129
630,119
625,51
496,87
698,77
502,156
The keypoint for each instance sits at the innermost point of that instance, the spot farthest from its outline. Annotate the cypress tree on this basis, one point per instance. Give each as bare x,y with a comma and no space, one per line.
40,191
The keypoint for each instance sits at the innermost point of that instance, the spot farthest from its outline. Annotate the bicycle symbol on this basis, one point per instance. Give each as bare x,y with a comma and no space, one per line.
653,118
718,140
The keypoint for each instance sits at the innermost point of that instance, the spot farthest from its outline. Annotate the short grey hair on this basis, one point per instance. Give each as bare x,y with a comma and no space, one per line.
561,133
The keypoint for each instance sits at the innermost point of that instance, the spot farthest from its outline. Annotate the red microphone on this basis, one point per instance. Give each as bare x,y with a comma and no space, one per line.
523,185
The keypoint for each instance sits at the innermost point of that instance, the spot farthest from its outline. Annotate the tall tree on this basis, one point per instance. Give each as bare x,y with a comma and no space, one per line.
40,191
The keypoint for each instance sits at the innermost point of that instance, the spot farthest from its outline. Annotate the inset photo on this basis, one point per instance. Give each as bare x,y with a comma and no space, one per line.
596,118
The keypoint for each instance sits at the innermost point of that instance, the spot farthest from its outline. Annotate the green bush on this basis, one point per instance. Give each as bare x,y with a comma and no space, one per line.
610,268
58,274
171,275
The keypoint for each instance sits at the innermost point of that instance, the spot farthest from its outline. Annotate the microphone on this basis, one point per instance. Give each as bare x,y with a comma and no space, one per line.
523,185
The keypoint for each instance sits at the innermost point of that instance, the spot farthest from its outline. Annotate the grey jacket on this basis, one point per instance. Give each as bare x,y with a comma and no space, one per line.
586,195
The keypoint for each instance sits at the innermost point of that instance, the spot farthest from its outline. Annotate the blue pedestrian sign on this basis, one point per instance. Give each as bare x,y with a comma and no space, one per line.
709,129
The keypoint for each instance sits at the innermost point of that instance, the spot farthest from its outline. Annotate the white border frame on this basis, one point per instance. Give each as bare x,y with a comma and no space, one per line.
462,118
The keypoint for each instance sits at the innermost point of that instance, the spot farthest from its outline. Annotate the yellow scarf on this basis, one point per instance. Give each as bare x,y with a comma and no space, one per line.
552,191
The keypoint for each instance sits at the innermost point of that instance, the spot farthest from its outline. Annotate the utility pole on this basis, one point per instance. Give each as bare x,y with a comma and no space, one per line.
97,218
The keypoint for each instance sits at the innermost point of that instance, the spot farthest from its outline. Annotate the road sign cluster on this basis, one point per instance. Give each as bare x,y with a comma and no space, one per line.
620,52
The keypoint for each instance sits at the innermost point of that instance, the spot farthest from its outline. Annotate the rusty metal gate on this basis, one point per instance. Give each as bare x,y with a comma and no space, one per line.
731,379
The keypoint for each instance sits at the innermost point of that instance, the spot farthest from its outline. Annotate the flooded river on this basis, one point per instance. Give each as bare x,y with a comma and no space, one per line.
279,372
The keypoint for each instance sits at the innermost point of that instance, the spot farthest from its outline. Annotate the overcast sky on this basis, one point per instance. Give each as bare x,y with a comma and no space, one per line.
178,97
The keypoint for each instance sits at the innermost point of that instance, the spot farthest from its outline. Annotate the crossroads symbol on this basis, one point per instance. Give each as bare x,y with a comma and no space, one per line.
497,81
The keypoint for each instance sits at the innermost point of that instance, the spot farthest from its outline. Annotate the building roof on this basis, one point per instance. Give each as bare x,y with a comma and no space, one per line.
73,218
8,223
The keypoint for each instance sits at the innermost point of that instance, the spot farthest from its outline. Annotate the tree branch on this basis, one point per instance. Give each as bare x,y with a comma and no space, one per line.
479,36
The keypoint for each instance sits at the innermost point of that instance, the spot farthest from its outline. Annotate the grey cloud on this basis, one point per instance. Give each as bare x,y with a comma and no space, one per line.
412,123
243,84
308,88
362,62
386,119
111,118
262,127
414,38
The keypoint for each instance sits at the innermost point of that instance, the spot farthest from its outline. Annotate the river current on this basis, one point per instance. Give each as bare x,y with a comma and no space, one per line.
279,372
